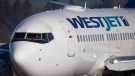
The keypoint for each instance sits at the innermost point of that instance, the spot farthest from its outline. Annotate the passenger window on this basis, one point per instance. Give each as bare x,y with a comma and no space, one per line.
123,36
97,38
108,37
133,35
128,36
78,38
81,38
100,37
103,37
84,38
93,38
116,36
89,37
112,37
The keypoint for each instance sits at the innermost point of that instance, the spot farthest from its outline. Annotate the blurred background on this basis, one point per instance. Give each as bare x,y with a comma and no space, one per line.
13,12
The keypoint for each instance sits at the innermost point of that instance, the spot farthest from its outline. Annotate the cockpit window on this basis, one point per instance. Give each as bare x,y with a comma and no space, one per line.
33,37
47,37
19,35
50,36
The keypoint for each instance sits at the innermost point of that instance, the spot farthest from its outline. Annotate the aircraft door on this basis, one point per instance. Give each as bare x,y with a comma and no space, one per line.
118,41
70,37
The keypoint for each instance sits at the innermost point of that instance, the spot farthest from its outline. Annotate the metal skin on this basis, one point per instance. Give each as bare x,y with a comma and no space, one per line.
65,55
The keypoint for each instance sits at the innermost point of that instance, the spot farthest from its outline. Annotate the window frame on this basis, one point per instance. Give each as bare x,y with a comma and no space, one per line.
40,40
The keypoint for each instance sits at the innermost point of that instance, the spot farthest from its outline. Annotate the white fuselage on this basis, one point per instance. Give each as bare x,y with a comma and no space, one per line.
77,49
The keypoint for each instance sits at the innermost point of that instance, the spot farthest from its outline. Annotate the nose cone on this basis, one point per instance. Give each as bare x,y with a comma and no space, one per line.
23,54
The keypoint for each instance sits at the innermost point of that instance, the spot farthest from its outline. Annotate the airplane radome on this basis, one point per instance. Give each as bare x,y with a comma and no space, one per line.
74,42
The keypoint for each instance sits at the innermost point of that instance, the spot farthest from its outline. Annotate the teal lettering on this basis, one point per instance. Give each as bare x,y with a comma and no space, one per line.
111,21
108,25
116,18
124,20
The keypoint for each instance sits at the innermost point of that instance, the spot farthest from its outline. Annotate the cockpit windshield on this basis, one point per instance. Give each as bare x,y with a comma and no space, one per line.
33,37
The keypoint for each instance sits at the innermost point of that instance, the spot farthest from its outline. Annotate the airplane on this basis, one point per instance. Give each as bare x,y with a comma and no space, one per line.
75,41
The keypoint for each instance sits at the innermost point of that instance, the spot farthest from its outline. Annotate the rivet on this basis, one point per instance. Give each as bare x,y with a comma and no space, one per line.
39,59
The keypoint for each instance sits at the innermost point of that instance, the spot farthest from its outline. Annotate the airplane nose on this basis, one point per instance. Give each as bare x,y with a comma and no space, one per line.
23,55
21,52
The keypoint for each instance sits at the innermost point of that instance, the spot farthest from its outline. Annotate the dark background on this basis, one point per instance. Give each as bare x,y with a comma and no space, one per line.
13,12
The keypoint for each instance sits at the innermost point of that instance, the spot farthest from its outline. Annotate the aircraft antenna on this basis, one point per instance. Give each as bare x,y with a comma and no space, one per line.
119,6
85,5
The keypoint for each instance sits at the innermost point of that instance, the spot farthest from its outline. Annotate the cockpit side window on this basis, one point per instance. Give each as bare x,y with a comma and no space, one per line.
19,36
47,37
50,36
